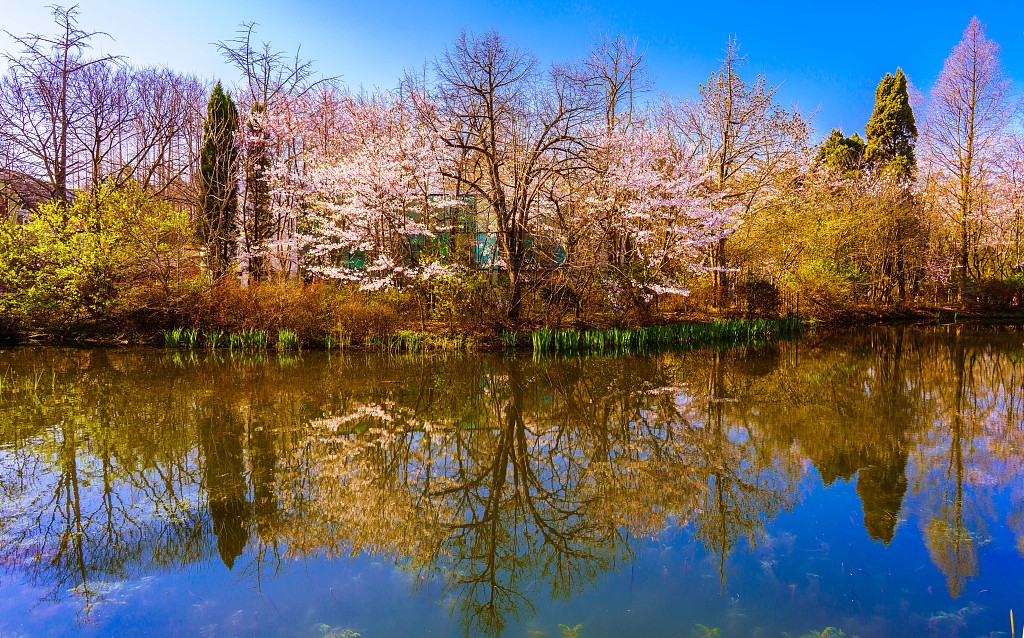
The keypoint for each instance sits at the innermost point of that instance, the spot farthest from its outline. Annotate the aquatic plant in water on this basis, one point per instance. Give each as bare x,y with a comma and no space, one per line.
703,631
684,335
570,632
171,337
287,340
412,342
827,632
248,339
215,338
336,632
509,339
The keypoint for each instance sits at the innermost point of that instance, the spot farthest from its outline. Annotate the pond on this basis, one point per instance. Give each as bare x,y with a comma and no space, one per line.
864,483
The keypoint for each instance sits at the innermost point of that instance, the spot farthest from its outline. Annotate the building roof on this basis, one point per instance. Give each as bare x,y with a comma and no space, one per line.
23,190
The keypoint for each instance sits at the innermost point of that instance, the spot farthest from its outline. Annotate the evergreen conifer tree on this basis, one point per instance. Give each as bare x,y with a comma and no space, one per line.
841,153
891,131
218,172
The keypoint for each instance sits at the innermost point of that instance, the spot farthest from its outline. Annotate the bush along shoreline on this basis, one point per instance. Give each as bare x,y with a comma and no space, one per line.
289,316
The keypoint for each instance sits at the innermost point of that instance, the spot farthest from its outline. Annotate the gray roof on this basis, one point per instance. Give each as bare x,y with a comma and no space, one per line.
23,189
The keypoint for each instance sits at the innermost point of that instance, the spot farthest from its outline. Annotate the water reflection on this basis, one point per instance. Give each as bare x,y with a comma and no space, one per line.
504,482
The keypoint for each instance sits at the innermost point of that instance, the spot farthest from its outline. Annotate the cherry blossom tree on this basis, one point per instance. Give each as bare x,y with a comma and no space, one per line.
663,211
374,199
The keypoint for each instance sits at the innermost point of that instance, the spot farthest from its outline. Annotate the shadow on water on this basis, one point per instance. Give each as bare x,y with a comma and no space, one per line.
503,482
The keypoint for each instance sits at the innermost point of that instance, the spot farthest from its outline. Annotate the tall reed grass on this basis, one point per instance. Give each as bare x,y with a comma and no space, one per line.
287,341
730,332
181,338
215,338
248,339
412,342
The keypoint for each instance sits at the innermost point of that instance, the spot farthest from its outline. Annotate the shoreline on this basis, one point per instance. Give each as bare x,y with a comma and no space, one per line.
438,338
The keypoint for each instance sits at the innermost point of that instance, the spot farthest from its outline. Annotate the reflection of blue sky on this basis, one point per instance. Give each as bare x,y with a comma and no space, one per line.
815,567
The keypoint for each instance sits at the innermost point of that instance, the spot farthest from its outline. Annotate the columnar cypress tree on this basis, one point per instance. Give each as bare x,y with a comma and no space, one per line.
891,131
218,183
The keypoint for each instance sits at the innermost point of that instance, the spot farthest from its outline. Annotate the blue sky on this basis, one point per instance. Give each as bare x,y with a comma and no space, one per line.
825,56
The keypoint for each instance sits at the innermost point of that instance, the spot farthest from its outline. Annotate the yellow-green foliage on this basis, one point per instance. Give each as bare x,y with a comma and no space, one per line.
73,261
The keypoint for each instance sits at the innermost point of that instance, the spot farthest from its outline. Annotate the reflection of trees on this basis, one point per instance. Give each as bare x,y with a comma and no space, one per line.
88,508
500,479
743,488
853,414
951,541
220,439
530,494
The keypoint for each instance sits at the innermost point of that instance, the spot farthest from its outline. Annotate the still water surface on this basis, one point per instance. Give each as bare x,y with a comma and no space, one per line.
870,482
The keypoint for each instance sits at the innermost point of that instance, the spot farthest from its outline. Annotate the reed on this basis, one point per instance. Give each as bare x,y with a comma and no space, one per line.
341,339
215,338
412,342
248,339
509,339
190,337
287,340
181,337
729,332
172,337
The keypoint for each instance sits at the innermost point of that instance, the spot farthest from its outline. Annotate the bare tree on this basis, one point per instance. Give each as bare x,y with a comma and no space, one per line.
105,103
510,130
970,111
39,105
617,71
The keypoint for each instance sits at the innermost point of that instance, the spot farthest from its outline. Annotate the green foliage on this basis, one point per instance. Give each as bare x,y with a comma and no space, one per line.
570,632
412,342
827,632
172,338
248,339
683,335
891,131
218,183
73,262
215,338
842,154
452,297
509,339
181,337
287,340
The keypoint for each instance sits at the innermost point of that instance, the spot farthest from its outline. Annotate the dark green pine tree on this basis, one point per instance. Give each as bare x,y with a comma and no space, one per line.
218,183
891,131
842,154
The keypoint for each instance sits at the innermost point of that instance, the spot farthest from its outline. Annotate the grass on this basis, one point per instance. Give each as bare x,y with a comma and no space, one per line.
172,338
544,341
728,332
509,339
412,342
287,341
181,338
341,339
215,338
248,339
